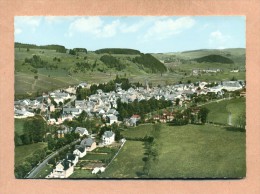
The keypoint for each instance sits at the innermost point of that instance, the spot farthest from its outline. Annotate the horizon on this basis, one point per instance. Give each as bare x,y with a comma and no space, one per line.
200,49
148,34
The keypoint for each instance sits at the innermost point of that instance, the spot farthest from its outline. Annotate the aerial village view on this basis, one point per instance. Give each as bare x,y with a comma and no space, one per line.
130,97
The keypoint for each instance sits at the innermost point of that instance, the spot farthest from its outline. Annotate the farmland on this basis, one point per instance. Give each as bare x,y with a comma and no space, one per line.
191,151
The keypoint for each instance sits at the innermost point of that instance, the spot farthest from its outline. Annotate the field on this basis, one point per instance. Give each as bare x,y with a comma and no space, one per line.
219,111
22,152
18,124
191,151
128,163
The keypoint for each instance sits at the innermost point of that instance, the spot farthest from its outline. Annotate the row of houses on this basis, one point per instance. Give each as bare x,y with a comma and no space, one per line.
65,167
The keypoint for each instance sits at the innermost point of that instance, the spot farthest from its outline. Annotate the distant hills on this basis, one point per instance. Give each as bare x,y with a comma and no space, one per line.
214,59
48,67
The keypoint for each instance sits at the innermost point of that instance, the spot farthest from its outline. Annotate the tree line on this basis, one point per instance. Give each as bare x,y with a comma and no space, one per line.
57,48
141,108
118,51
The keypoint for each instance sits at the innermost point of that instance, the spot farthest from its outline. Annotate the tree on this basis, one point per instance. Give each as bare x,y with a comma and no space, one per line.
51,144
17,139
177,102
203,114
35,129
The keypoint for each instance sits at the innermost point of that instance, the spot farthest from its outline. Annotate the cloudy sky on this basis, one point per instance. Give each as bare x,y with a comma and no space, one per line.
147,34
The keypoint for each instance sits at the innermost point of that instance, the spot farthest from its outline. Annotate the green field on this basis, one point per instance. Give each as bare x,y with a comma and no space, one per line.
191,151
219,111
22,152
128,163
18,124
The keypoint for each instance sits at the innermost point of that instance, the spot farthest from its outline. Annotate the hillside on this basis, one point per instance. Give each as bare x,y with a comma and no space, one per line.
214,59
43,68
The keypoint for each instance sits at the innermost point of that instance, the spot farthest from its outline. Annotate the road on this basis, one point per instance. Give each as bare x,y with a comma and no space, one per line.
38,168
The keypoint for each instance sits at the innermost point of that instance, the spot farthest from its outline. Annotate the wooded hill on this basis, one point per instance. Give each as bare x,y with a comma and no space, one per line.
214,59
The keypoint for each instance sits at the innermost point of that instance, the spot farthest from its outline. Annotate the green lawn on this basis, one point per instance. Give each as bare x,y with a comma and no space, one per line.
128,162
22,152
191,151
219,111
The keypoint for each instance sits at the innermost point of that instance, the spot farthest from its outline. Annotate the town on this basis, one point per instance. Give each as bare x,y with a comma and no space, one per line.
64,111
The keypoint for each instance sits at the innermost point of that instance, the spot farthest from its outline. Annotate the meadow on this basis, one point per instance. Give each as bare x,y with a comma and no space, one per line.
219,111
24,151
191,151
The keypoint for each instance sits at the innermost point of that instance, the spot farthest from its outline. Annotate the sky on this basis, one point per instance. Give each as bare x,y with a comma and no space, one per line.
149,34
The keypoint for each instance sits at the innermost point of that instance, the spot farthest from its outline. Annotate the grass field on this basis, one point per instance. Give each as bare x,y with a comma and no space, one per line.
191,151
22,152
138,132
18,124
128,162
219,111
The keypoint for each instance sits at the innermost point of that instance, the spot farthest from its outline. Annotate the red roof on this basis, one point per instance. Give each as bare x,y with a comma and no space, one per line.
136,116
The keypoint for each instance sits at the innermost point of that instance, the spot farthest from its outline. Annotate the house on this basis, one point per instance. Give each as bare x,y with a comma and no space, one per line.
51,121
80,151
63,130
231,85
133,120
81,131
112,119
73,111
22,113
108,137
63,169
89,144
72,158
